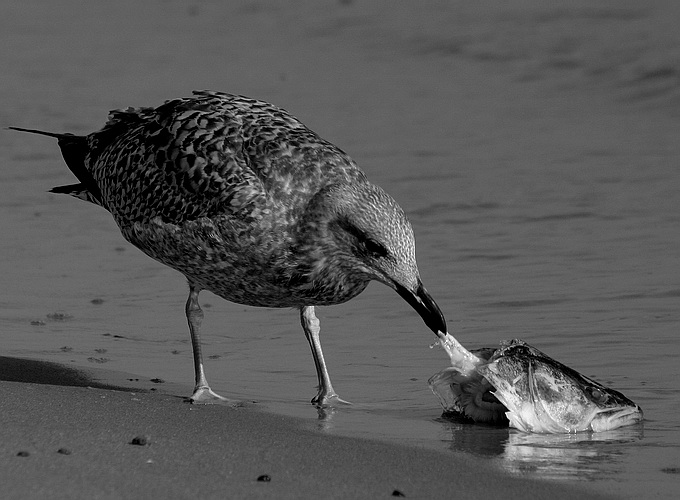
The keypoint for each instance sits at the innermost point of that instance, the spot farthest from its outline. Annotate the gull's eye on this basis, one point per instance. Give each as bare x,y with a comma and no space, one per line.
363,244
375,248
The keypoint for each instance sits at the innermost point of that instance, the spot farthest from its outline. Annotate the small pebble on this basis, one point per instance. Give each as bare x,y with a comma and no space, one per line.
97,301
38,322
98,360
142,440
23,454
59,316
264,478
397,493
64,451
157,380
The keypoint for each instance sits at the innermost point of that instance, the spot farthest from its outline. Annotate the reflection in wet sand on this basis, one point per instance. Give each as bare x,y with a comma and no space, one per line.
476,439
580,456
583,456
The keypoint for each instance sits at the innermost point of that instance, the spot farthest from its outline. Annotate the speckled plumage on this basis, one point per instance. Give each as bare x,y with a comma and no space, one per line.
247,202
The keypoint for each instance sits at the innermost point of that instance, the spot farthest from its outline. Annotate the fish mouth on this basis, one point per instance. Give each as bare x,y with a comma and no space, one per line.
425,306
616,417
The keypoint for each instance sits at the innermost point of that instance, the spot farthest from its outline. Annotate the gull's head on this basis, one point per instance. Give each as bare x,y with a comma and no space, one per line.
374,237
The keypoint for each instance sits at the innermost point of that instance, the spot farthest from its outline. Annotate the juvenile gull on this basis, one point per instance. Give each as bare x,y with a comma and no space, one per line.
248,203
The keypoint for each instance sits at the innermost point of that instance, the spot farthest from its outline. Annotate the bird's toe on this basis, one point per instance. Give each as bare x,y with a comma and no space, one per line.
329,400
205,395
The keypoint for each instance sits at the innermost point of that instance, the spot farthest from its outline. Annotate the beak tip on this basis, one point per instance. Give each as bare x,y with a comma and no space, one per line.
427,308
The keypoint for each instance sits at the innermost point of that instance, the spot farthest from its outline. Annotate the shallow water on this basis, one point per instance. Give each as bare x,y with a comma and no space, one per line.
534,147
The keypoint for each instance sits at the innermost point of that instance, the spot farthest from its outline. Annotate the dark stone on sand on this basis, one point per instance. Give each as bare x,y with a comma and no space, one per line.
23,454
59,316
64,451
141,440
100,361
264,478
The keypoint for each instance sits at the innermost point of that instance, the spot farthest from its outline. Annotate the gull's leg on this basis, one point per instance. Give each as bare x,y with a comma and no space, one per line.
202,391
310,325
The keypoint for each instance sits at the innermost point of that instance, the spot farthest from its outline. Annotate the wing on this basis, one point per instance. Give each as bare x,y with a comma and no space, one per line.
211,154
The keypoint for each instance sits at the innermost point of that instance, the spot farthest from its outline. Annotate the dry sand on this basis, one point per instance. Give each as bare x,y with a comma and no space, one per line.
74,441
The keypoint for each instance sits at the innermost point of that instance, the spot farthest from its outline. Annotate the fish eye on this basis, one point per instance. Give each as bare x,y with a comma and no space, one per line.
598,395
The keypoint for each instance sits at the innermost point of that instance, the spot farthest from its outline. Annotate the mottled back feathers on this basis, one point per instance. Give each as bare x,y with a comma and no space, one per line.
211,154
244,200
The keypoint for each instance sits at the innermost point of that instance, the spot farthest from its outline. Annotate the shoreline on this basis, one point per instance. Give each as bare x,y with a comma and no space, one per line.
64,438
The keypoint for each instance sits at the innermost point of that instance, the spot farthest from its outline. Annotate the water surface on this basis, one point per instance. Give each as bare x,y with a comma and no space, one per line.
534,147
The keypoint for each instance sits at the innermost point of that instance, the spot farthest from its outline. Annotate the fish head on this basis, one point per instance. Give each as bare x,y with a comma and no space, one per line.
463,392
543,395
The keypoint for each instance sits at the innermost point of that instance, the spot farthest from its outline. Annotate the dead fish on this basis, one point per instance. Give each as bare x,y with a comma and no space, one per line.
533,392
468,394
543,395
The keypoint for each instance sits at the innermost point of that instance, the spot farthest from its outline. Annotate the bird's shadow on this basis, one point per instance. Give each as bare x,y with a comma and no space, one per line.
33,371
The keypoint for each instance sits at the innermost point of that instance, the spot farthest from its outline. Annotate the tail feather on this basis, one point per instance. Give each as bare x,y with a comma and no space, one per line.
76,190
74,149
41,132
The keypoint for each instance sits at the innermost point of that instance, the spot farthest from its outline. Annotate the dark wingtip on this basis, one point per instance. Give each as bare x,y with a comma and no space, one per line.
74,149
69,189
79,191
40,132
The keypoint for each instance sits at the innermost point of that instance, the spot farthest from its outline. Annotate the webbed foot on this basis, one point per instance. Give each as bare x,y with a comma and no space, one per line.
332,400
205,395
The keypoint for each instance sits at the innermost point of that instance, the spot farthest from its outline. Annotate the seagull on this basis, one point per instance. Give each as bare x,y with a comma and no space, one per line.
247,202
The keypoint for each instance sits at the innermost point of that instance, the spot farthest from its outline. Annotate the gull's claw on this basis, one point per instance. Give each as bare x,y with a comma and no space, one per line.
206,396
332,400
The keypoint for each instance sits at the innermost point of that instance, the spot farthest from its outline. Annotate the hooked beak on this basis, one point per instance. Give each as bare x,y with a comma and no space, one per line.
424,305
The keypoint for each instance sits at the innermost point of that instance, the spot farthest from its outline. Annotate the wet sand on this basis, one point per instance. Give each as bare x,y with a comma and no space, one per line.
74,441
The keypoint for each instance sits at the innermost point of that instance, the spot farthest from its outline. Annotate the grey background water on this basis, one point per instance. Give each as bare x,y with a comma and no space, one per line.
533,145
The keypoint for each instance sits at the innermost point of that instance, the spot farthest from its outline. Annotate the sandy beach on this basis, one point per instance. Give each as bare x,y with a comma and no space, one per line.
74,441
